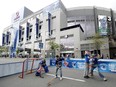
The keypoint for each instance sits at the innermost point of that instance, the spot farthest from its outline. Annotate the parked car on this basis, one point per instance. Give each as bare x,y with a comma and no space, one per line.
23,54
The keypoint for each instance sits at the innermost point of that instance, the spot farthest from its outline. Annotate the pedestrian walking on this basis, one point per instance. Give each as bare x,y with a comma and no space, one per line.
94,64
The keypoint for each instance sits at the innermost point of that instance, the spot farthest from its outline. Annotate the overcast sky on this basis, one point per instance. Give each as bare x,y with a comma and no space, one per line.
8,7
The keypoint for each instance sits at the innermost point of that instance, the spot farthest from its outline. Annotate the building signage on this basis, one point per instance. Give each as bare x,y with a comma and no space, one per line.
105,64
41,45
102,24
17,16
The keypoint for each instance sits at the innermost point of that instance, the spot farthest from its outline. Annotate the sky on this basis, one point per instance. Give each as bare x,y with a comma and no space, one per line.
9,7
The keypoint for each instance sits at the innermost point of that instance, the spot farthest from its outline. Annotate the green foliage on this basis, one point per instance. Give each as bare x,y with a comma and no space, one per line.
17,51
3,49
53,45
97,40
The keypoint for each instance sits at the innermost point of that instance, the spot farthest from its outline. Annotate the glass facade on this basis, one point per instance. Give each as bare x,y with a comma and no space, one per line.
67,42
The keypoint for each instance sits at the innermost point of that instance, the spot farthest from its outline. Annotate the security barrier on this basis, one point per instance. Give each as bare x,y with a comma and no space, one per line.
12,68
106,65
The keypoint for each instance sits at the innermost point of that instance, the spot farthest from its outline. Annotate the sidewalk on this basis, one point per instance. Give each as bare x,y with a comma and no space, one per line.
73,78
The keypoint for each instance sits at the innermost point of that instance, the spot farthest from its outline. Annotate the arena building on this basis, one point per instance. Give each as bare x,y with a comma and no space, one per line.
73,29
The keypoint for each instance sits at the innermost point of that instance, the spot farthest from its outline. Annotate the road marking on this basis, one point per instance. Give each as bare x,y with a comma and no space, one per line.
68,78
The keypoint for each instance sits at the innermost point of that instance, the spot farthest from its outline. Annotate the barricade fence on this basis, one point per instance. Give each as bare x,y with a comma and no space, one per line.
24,67
10,68
106,65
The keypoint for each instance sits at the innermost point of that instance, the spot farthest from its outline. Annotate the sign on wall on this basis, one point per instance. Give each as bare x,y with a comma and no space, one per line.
17,16
40,45
102,24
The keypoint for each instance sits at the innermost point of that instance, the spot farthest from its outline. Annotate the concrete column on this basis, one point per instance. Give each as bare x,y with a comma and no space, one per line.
77,48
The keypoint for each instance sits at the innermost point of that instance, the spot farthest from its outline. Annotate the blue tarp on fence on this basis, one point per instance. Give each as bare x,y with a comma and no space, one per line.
106,65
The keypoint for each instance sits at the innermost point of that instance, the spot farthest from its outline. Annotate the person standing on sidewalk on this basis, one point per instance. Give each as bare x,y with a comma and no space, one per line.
86,71
59,66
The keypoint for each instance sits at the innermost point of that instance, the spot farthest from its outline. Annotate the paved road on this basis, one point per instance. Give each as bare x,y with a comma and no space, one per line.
72,78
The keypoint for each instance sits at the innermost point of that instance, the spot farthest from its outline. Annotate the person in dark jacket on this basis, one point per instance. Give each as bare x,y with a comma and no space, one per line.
59,66
42,66
94,64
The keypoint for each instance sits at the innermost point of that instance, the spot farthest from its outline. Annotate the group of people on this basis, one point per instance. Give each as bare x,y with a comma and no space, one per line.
91,63
43,67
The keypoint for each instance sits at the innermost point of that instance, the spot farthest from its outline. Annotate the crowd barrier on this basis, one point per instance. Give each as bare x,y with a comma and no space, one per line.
106,65
7,69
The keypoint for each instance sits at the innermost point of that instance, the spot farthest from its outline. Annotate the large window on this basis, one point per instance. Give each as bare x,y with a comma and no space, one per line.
71,22
90,46
67,42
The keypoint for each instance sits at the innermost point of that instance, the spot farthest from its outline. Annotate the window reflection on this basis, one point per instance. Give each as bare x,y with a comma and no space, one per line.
67,43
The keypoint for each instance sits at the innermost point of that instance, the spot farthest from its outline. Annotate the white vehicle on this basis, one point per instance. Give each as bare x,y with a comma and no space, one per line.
23,54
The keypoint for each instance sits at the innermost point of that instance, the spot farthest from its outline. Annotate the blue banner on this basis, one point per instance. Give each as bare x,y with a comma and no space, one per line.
3,39
37,27
27,31
20,33
7,37
49,23
106,65
15,40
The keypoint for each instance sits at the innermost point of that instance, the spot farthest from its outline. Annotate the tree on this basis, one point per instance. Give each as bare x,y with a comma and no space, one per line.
17,52
4,49
97,39
53,46
62,47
